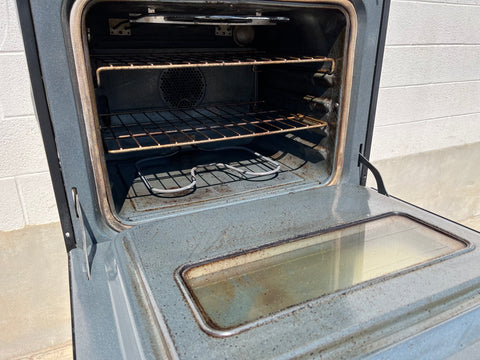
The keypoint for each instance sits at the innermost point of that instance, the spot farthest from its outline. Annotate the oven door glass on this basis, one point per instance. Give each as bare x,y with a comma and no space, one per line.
243,288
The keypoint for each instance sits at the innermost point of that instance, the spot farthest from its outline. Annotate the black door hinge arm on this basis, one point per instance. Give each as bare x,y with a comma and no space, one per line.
378,178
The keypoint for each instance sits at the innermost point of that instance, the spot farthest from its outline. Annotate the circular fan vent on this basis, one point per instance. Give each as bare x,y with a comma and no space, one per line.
182,88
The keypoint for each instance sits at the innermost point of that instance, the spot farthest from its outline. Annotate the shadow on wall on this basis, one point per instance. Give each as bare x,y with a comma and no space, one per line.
446,181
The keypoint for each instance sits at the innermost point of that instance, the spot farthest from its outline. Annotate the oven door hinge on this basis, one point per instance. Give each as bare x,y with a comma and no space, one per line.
79,214
378,178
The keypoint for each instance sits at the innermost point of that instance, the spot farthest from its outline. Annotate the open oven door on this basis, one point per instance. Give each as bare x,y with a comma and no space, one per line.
340,271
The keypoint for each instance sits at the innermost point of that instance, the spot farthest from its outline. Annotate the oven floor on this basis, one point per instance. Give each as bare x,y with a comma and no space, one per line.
299,164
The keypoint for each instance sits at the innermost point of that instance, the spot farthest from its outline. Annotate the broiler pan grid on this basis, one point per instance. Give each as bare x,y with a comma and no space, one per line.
144,130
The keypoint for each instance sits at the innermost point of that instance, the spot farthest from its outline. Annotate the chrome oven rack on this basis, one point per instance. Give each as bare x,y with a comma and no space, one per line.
104,63
153,129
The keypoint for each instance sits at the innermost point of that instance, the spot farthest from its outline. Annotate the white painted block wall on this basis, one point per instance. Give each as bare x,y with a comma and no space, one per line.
429,99
429,95
26,195
426,139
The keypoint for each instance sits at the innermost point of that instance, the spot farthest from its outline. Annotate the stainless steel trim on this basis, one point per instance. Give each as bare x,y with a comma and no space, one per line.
83,70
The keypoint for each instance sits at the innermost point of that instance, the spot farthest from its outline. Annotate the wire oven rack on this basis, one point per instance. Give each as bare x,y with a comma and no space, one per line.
201,59
153,129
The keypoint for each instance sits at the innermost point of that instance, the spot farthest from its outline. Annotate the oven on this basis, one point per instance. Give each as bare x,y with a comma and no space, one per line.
209,162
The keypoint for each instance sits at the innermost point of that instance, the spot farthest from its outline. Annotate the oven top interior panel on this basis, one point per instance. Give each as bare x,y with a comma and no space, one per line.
435,267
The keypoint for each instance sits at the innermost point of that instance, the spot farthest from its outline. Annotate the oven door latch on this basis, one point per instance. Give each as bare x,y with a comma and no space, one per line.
79,214
378,178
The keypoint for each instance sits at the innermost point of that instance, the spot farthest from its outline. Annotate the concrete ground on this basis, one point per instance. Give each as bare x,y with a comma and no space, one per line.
34,294
473,222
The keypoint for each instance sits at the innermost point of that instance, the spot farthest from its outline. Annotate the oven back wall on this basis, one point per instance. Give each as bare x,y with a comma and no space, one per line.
152,89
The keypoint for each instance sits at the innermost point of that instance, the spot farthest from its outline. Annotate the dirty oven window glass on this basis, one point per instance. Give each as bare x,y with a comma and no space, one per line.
241,289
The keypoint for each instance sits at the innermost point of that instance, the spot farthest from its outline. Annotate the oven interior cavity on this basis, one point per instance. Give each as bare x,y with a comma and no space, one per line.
198,103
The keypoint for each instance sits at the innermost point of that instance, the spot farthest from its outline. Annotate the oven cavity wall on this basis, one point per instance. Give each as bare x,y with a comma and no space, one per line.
125,81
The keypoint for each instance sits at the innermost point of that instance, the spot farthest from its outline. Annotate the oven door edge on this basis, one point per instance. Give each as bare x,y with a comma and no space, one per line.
43,116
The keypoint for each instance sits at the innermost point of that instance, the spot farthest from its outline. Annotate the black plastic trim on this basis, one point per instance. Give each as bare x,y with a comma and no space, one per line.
375,88
43,115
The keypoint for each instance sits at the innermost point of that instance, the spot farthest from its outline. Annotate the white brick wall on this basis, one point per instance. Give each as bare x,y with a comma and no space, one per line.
429,99
430,88
25,188
427,132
